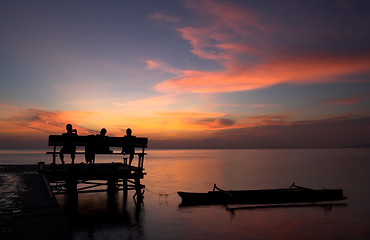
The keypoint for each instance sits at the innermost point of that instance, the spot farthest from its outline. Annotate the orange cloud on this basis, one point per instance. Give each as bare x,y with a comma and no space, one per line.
239,77
23,121
187,123
184,127
39,122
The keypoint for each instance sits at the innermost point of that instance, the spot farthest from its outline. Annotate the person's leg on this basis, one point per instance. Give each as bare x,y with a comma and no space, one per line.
73,158
131,157
61,156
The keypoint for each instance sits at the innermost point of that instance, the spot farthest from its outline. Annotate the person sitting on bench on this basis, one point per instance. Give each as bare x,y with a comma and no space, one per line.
69,143
129,145
96,144
102,145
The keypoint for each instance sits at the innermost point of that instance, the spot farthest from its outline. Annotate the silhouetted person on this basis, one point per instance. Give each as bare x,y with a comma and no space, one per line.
103,131
129,144
90,149
102,145
69,146
96,144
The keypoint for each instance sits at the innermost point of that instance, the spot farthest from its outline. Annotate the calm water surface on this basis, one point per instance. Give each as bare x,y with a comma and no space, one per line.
169,171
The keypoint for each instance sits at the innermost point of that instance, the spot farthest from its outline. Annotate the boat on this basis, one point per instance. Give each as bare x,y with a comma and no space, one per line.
293,194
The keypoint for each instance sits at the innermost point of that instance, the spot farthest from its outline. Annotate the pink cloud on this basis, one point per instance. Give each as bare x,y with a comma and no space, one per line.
345,101
162,17
151,64
155,64
226,38
233,17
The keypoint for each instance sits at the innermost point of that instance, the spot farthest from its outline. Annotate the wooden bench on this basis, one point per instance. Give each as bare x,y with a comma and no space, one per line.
58,141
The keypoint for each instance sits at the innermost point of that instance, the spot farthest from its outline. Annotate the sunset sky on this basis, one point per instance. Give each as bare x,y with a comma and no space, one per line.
187,74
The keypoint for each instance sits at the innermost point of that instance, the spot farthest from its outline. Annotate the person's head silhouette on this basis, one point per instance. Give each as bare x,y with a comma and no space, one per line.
69,127
128,131
103,131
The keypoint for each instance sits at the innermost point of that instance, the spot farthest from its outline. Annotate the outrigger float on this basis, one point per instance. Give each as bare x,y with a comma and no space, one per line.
293,194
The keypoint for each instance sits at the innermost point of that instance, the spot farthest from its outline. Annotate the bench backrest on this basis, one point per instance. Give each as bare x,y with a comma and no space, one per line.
58,140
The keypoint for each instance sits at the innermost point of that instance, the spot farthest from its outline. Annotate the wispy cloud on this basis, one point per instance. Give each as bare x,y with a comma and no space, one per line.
155,102
163,17
231,38
23,120
264,105
335,131
347,101
239,77
159,65
263,120
215,122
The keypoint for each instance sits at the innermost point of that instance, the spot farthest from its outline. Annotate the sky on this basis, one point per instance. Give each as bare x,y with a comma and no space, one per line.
187,74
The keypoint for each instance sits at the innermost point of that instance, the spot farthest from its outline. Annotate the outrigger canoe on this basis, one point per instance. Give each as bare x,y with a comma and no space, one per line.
293,194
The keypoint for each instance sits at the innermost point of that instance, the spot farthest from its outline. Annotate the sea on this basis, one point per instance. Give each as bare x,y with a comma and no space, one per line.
160,216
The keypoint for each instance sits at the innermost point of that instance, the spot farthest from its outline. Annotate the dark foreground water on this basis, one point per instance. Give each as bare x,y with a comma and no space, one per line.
169,171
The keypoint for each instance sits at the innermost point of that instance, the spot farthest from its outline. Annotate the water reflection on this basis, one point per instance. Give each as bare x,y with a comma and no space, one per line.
10,203
197,170
103,215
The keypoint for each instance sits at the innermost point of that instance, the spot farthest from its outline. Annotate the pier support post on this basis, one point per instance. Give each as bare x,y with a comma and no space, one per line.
71,185
112,185
125,191
138,187
112,188
72,195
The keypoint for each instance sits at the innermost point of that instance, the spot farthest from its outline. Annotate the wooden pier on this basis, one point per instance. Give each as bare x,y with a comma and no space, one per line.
96,177
88,178
30,210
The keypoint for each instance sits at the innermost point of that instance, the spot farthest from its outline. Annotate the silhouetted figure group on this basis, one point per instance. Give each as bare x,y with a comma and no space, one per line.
95,144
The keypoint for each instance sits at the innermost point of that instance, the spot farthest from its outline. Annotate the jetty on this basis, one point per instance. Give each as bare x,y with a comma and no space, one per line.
85,178
96,177
26,209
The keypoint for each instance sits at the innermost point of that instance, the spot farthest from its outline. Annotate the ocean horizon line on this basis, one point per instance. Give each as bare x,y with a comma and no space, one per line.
44,150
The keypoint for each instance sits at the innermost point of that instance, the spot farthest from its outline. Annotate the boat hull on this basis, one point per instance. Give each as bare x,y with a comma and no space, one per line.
268,196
